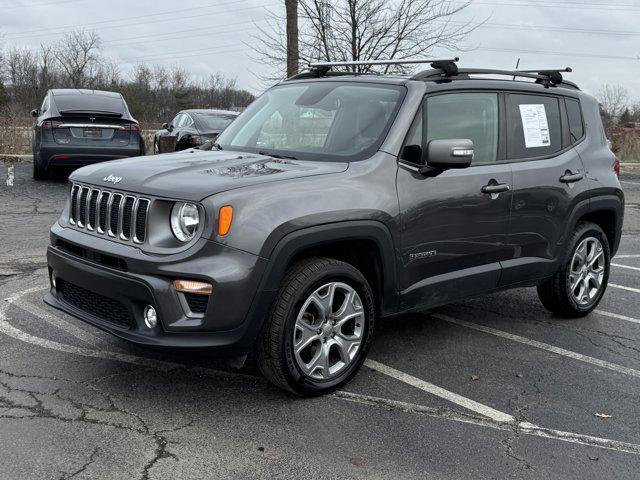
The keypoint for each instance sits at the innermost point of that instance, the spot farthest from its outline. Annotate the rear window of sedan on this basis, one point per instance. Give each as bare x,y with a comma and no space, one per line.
90,103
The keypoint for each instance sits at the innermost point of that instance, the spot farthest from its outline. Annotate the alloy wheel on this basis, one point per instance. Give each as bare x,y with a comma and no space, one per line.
329,330
586,274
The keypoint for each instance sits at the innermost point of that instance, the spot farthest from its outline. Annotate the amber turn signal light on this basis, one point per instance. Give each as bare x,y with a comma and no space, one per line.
224,220
191,286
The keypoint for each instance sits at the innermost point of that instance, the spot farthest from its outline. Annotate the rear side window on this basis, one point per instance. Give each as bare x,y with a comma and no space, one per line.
533,126
472,116
45,105
576,124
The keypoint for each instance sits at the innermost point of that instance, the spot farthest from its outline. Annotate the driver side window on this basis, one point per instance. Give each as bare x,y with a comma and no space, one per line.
176,121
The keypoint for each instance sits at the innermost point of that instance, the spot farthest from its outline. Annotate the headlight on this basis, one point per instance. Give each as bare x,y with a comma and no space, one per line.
185,219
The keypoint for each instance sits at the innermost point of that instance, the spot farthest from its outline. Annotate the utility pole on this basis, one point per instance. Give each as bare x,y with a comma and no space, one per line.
293,54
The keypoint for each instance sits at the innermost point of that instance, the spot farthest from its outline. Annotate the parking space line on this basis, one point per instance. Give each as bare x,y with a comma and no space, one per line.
10,176
501,421
628,182
57,322
618,265
440,392
618,316
622,287
627,256
541,345
525,428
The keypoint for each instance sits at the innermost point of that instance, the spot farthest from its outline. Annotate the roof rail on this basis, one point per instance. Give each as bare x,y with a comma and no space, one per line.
547,77
322,69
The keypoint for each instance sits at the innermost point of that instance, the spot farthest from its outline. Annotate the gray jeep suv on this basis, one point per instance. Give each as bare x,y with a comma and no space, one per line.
336,199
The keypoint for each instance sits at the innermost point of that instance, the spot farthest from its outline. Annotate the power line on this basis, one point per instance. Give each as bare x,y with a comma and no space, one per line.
544,3
66,28
561,54
125,40
515,26
36,5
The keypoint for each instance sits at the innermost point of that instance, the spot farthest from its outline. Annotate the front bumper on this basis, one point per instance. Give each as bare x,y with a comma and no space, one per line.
228,326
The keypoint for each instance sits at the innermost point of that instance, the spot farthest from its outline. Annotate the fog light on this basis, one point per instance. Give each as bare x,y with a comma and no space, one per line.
150,317
53,279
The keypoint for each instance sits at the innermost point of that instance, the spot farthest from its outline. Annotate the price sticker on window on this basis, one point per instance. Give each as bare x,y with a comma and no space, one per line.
535,126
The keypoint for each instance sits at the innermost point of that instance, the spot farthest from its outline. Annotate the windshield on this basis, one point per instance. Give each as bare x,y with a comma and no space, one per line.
316,121
215,122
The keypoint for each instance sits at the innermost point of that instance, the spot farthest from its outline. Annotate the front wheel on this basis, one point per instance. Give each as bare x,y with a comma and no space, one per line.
578,286
320,327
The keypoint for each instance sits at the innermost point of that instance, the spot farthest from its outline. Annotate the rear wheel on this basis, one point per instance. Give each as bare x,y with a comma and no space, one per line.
39,172
577,288
320,327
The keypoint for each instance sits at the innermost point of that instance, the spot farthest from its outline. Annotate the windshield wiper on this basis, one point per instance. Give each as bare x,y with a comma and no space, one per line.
276,155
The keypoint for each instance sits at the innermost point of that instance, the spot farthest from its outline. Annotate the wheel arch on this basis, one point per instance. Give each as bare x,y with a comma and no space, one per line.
366,244
605,211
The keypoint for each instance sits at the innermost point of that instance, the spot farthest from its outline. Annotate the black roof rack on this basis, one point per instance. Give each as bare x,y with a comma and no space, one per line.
323,69
547,77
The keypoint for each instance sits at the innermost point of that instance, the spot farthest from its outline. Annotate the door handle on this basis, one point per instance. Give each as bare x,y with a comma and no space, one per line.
495,188
570,177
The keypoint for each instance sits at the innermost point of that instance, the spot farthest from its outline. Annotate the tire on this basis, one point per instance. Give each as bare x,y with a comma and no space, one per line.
287,324
556,294
39,172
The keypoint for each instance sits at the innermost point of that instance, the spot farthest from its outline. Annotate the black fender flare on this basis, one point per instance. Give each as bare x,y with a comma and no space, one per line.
371,230
602,203
294,242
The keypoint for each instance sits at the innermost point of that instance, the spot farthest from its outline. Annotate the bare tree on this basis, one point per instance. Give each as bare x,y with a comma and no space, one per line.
614,99
343,30
77,54
293,52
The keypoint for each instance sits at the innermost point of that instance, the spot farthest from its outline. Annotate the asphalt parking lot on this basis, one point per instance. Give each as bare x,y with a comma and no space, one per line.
492,387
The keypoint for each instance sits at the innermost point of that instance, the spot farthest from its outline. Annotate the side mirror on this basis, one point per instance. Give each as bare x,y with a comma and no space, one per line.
447,154
412,153
35,113
165,126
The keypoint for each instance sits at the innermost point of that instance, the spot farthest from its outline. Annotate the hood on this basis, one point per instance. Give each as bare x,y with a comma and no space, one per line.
195,174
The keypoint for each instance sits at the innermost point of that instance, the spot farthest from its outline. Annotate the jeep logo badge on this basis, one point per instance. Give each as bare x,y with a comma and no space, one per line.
113,179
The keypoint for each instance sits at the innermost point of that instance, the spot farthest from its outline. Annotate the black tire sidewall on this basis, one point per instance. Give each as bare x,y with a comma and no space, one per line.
584,231
38,171
297,378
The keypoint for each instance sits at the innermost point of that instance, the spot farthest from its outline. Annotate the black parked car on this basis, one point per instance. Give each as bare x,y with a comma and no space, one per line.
335,200
192,128
77,127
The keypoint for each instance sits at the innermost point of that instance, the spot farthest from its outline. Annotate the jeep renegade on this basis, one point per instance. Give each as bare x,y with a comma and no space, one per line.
339,198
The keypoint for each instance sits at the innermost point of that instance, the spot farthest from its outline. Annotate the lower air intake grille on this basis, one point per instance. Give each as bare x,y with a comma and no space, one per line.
197,302
95,304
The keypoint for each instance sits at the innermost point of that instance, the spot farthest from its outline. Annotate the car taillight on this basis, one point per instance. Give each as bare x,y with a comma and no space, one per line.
133,127
616,167
50,125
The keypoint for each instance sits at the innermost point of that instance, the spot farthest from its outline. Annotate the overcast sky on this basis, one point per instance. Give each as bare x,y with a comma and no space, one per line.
599,39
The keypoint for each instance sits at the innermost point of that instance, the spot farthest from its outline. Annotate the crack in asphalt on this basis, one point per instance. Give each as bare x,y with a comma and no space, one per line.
92,458
36,408
580,331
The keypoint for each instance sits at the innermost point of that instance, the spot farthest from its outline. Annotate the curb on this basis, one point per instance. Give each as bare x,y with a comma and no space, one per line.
11,158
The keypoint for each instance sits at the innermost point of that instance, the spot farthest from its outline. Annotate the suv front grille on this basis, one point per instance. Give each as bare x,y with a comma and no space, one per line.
95,304
119,215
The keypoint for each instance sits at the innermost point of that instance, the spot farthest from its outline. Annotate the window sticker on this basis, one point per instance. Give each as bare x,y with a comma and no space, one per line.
535,126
